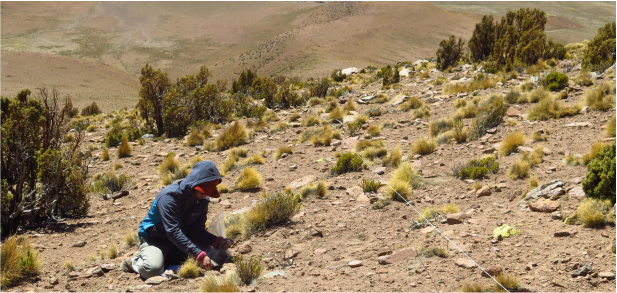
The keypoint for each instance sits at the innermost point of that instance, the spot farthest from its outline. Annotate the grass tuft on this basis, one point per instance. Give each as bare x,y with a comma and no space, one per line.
234,135
511,143
594,212
433,251
600,97
212,283
393,159
373,130
282,150
311,121
248,270
249,179
550,108
189,269
112,251
398,186
131,238
124,149
440,126
596,147
19,260
411,103
610,127
318,189
423,146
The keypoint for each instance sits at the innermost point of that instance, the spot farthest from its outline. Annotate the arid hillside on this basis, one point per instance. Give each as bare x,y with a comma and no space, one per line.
306,39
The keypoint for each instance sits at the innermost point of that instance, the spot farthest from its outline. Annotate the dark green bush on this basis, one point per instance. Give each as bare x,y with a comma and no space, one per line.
73,112
92,109
600,52
110,183
555,81
42,177
389,76
244,81
319,88
347,163
600,180
338,75
449,52
476,169
114,136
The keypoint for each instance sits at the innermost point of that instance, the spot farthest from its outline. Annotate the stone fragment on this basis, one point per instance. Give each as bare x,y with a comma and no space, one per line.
119,194
582,271
484,191
156,280
293,167
80,244
320,251
552,190
380,170
54,281
607,275
108,267
513,112
355,264
577,192
578,124
96,271
465,263
403,255
427,229
73,275
302,181
244,249
562,233
456,218
493,270
544,206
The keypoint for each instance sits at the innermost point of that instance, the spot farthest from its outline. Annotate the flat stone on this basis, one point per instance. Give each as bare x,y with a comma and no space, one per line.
355,264
513,112
142,287
96,271
80,244
301,181
462,246
562,233
493,271
73,275
427,230
577,192
456,218
578,124
380,170
119,194
405,254
108,267
465,263
607,275
545,206
320,251
552,190
156,280
244,249
484,191
582,271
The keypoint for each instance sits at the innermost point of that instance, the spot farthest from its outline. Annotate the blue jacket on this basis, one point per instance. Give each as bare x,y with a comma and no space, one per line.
177,214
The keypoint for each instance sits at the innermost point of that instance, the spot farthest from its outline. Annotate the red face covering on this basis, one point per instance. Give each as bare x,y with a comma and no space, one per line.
209,189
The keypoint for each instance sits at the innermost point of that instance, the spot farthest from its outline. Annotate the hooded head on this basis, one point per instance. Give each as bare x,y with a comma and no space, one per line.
204,177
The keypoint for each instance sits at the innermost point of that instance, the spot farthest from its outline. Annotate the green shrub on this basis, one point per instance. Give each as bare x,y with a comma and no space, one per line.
247,270
600,52
319,88
109,183
476,169
92,109
555,81
449,52
369,185
114,136
353,127
73,112
491,116
600,180
347,163
338,75
20,260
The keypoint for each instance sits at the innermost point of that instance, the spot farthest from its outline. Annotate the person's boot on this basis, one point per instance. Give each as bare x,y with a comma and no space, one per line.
127,265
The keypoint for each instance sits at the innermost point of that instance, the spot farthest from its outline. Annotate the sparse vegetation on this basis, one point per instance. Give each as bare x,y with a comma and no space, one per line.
249,179
112,251
247,270
600,97
234,135
476,169
583,78
511,283
411,103
393,158
212,283
282,150
433,251
439,126
369,185
610,127
92,109
600,180
520,168
318,189
595,212
124,149
511,142
271,210
373,130
423,146
19,261
349,162
109,183
375,111
105,155
550,108
189,269
311,121
131,238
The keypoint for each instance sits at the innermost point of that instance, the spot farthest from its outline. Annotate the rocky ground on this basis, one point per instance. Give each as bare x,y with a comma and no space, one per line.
339,243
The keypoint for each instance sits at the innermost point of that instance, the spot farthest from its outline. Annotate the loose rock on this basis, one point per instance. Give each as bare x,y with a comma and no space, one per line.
156,280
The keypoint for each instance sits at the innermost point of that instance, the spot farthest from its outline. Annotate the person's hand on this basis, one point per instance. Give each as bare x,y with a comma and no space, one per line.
206,263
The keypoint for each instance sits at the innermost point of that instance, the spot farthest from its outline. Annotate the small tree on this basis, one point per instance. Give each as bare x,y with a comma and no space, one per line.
449,52
154,86
41,176
244,81
600,52
600,180
482,40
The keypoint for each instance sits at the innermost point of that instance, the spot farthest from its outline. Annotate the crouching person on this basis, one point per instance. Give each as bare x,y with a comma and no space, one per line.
174,227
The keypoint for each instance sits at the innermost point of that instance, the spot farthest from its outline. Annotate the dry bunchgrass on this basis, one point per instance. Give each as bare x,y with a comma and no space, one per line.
511,143
610,127
222,188
550,108
519,169
69,266
373,130
534,96
229,164
105,155
124,149
396,188
511,283
282,150
459,103
537,136
336,114
314,101
411,103
189,269
440,126
600,97
260,125
249,179
319,136
281,126
573,160
112,251
380,98
194,138
234,135
311,121
431,212
596,147
371,149
131,238
350,105
318,189
19,260
423,146
117,166
405,172
254,160
459,87
533,182
294,117
458,132
270,210
361,118
444,138
169,164
476,185
594,212
213,283
422,112
393,158
269,116
583,78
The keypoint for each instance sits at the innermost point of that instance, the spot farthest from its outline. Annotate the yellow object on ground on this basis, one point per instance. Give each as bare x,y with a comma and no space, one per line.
505,231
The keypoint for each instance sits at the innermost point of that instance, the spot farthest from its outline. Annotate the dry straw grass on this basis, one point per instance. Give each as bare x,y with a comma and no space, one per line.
596,147
105,155
249,179
550,108
19,261
124,149
294,117
318,189
282,150
336,114
520,168
423,146
189,269
600,97
271,210
131,238
373,130
594,212
350,105
411,103
393,158
234,135
213,283
440,126
459,87
610,127
311,121
511,143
